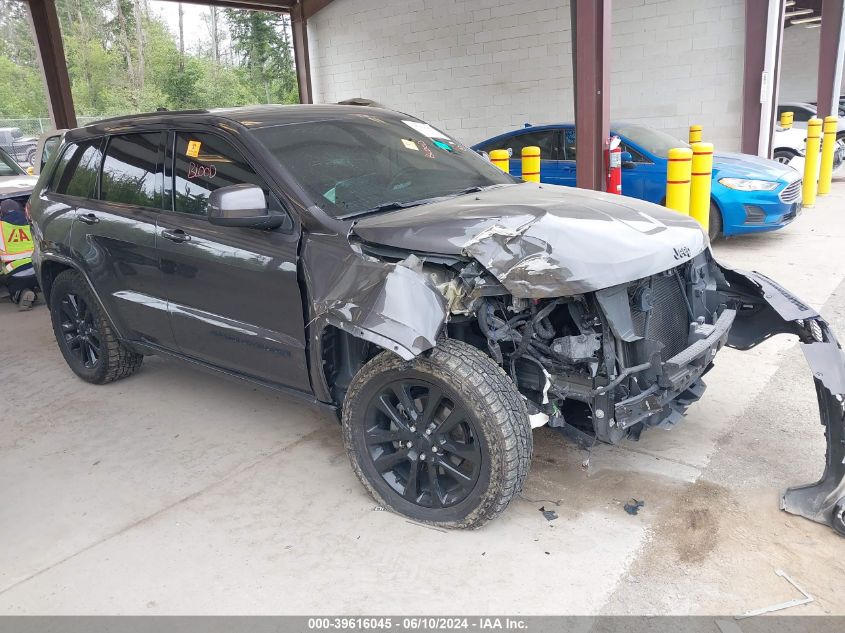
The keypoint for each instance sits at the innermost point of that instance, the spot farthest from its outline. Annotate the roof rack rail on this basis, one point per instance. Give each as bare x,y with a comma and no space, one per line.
144,115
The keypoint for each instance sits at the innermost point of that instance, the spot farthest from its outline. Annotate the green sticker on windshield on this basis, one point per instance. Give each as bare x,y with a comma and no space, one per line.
442,145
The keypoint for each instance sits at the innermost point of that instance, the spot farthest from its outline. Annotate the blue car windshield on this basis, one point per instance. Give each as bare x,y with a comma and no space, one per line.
370,163
653,141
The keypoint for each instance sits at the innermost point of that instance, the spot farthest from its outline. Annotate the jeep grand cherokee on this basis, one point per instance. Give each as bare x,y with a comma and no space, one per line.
365,261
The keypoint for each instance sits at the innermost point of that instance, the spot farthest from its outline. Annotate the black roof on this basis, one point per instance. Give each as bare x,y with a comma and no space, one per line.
253,116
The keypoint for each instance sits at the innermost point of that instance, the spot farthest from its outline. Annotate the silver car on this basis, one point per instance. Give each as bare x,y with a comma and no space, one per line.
14,181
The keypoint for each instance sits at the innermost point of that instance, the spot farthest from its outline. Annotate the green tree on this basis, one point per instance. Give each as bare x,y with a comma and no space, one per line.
262,41
122,59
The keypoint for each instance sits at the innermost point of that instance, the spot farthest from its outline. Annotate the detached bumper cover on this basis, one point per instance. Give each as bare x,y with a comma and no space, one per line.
782,312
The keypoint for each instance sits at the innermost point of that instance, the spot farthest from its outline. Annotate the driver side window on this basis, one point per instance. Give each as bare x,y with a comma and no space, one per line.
545,140
205,162
635,155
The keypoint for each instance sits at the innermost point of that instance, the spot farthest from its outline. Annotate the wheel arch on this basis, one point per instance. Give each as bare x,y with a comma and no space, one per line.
47,273
52,266
715,203
341,350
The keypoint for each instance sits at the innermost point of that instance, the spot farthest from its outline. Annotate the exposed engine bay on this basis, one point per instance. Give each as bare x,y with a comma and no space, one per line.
612,362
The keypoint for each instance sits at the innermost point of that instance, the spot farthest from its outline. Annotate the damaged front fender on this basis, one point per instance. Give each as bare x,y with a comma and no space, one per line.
393,305
765,309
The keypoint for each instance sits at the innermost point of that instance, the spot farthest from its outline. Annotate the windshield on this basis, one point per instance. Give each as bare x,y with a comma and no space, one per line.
9,167
353,166
651,140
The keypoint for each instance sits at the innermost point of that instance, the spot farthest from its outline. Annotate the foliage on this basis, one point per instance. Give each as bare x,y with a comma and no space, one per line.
122,58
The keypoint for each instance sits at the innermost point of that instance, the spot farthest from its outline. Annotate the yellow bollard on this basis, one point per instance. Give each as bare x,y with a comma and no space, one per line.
531,163
702,169
786,120
811,162
501,159
694,134
828,149
678,179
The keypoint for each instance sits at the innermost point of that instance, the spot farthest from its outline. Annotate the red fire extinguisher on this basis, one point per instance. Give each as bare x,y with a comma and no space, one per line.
614,165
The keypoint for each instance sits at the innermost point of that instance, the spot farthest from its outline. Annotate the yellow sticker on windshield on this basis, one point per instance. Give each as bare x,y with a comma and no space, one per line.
193,149
410,144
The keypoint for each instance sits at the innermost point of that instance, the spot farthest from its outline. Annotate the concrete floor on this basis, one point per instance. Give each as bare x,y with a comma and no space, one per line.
178,492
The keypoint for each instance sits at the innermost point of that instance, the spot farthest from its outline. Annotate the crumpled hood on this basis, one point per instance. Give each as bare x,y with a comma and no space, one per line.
545,240
751,167
16,185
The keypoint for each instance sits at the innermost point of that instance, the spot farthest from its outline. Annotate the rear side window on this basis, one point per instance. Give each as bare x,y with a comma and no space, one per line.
799,114
570,148
133,171
203,163
76,172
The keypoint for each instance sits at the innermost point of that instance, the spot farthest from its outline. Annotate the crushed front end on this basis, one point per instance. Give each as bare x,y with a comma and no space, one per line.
614,362
606,312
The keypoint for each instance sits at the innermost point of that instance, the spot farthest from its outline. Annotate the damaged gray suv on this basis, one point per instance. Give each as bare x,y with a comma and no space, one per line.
367,262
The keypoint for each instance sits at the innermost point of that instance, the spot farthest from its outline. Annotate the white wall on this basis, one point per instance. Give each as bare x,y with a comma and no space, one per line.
800,63
481,67
680,62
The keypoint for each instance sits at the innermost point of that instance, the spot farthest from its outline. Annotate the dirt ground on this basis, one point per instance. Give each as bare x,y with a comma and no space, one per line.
179,492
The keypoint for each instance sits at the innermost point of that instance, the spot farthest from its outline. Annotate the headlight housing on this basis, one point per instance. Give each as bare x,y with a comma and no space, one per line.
745,184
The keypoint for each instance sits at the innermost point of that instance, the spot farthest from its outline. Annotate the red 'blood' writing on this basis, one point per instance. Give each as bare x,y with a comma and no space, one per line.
201,171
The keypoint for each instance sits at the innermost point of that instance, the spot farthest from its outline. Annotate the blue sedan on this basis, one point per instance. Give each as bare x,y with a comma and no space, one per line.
749,193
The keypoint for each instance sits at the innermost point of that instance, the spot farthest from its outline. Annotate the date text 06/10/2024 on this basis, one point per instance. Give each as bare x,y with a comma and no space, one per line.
415,623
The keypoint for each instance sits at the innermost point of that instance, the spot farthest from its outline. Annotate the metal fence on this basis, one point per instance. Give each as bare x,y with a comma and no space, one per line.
37,126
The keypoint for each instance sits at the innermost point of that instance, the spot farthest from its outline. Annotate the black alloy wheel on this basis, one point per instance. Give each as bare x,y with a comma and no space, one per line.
85,336
80,334
422,444
443,439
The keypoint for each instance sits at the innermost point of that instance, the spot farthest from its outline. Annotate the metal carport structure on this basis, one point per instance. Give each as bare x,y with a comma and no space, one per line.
591,22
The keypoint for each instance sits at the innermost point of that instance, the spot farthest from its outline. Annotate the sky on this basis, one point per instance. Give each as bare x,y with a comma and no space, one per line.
193,20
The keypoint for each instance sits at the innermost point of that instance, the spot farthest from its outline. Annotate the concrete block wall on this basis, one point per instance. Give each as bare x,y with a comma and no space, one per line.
477,68
799,64
679,62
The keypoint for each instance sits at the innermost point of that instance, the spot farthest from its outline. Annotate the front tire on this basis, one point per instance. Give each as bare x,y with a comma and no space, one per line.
443,439
715,227
84,334
839,517
784,156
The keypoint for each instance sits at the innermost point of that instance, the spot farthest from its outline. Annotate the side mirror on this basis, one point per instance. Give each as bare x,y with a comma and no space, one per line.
243,206
628,161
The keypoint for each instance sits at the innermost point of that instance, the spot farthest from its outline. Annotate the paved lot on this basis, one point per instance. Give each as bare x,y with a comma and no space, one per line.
178,492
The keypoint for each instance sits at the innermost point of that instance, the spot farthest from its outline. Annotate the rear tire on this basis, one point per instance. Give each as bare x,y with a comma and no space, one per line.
84,334
715,229
475,456
784,156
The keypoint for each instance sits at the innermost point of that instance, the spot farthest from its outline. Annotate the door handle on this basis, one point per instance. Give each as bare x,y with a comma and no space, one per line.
176,235
88,218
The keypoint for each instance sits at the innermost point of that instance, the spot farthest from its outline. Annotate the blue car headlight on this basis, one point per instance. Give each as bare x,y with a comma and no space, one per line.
744,184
